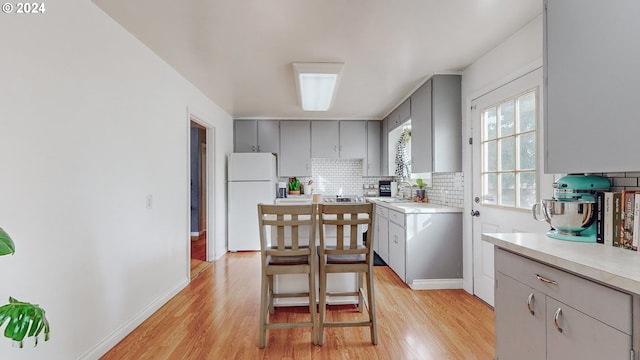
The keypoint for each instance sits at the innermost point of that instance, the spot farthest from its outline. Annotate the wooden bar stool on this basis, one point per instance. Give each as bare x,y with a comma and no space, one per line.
347,258
287,253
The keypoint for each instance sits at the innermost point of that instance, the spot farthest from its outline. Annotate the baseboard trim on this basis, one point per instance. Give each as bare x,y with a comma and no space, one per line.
436,284
121,332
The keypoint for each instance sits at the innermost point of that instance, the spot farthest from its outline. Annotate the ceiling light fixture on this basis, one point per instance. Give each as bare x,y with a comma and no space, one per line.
316,84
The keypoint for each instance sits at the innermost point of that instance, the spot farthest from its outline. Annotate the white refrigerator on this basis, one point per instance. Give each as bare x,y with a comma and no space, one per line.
252,179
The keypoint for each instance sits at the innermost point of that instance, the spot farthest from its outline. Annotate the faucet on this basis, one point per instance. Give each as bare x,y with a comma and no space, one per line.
400,186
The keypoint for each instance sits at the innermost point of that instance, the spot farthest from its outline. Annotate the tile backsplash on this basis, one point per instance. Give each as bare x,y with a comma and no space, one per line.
447,189
333,177
623,180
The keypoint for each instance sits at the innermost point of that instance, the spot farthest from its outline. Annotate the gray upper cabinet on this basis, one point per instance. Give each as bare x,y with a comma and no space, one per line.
325,139
591,53
339,139
372,165
353,139
256,136
384,147
400,115
295,154
436,125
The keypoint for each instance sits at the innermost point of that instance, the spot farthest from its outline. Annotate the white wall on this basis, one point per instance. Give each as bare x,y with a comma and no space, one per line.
517,55
91,122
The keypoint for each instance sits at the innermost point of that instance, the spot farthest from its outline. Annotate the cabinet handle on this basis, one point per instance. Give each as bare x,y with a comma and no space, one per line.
258,148
556,316
529,301
395,239
335,148
253,148
544,279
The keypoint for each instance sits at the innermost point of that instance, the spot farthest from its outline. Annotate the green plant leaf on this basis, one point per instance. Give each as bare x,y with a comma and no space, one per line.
6,244
420,183
23,320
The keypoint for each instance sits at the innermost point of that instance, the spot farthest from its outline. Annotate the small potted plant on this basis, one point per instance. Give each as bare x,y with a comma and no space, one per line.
294,186
421,195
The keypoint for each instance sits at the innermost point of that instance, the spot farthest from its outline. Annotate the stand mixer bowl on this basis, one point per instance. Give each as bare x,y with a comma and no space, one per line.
566,217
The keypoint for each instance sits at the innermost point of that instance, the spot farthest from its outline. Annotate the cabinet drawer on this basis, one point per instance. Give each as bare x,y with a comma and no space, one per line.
608,305
382,211
396,217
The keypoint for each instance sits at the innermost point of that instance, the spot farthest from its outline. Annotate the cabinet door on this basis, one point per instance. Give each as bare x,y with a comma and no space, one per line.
422,148
446,123
590,92
382,239
245,136
384,147
325,139
295,153
397,250
268,136
393,119
582,337
353,139
520,314
372,163
404,112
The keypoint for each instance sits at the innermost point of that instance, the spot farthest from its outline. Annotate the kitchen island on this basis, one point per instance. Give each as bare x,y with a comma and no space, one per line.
421,242
559,299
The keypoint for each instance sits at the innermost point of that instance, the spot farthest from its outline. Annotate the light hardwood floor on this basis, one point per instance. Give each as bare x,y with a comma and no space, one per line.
216,317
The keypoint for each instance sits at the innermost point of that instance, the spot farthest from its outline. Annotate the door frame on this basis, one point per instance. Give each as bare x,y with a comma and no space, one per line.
210,131
467,165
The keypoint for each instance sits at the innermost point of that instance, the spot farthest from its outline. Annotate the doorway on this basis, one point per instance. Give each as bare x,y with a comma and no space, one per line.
507,168
198,199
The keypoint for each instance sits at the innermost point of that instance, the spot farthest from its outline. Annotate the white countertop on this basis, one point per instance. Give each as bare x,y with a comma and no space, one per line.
607,264
409,207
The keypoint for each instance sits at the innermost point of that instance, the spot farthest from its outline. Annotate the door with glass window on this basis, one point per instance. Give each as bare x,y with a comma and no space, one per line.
507,175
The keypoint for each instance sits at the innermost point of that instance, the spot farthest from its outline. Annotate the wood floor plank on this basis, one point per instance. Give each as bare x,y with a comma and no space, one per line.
216,317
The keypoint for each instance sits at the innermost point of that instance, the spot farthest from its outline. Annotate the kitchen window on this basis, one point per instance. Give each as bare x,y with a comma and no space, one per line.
508,152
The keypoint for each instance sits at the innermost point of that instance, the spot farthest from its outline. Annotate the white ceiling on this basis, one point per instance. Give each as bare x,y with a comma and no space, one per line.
239,52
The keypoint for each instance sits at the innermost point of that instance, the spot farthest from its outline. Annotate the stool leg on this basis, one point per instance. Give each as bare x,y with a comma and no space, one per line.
323,301
264,304
372,307
312,305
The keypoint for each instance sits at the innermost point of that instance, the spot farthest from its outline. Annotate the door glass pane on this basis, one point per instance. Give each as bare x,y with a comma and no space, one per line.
507,154
507,189
489,126
527,151
527,112
490,194
527,188
507,118
489,156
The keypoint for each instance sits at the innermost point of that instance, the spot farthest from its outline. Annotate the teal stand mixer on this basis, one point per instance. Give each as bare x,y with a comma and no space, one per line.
572,211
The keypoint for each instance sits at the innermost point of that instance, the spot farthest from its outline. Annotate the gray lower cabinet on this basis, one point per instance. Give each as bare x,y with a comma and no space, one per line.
381,244
422,249
436,125
542,312
295,154
591,53
256,136
371,167
397,244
